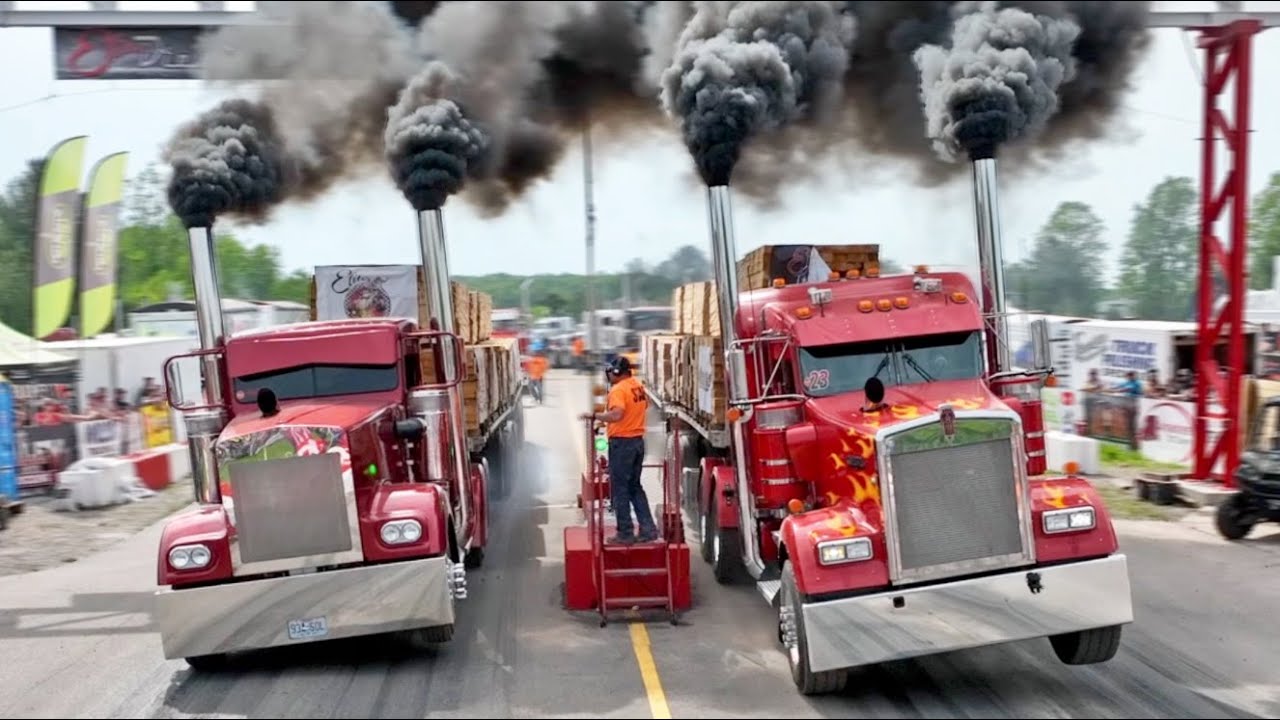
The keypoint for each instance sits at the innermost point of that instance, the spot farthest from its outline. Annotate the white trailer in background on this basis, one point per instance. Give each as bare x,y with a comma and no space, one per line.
1114,347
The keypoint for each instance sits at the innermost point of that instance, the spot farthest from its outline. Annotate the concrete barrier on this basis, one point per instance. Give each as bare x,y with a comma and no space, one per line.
1062,448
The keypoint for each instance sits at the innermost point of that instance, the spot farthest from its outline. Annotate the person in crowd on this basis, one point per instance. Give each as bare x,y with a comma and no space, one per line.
1154,388
1093,384
537,370
1130,386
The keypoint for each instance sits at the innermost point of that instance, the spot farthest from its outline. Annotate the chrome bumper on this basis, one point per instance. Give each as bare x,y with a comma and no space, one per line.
967,613
305,608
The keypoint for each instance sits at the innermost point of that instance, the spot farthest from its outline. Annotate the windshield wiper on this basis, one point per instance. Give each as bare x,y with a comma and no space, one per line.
916,366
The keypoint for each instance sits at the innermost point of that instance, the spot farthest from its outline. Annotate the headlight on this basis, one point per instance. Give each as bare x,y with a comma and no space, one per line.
401,532
189,557
1068,520
834,552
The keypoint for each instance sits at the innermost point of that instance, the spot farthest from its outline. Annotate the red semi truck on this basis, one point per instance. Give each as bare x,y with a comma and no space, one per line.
339,492
877,468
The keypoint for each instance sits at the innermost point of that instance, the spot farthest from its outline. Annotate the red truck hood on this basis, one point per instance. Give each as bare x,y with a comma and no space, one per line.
902,404
320,412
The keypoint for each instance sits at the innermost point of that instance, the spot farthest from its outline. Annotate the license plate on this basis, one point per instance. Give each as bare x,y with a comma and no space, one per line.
309,628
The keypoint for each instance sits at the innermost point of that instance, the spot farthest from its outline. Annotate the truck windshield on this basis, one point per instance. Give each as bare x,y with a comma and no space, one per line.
835,369
315,381
647,320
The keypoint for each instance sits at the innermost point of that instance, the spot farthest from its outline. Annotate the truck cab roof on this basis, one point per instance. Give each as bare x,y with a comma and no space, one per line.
837,311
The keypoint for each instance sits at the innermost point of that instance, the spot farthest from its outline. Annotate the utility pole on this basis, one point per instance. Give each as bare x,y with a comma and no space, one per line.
591,240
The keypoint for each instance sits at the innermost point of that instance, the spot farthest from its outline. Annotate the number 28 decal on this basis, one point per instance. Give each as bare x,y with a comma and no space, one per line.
817,380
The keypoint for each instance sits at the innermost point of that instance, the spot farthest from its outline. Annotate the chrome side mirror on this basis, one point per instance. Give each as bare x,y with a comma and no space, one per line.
736,366
1041,351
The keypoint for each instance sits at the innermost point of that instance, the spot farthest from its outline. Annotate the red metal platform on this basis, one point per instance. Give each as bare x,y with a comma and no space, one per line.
611,578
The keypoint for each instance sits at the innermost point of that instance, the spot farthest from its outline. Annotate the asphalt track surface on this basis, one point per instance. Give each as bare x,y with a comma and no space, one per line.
78,640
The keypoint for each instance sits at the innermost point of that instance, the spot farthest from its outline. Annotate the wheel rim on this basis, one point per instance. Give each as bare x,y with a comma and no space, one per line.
715,545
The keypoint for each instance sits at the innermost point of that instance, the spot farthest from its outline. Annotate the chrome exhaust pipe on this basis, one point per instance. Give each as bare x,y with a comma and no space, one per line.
435,272
986,206
724,256
203,426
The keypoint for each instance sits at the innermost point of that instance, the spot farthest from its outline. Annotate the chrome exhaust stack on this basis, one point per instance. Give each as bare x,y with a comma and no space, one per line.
439,292
724,256
204,425
986,206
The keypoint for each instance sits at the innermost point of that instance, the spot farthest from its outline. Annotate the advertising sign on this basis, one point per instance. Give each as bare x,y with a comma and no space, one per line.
126,53
359,291
99,438
157,430
56,224
98,245
1112,418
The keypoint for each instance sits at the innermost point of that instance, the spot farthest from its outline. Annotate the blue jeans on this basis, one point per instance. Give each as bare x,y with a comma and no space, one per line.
626,460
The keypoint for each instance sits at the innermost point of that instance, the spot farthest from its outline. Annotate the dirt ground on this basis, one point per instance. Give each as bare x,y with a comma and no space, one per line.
41,537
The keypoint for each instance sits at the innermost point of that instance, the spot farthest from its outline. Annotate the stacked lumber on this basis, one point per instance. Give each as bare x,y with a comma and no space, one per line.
758,269
695,309
489,382
686,371
472,311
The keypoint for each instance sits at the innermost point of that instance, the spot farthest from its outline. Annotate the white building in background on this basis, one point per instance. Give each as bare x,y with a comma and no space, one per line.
178,317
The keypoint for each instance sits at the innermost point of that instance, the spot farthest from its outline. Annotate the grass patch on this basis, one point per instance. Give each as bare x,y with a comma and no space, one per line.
1124,505
1120,457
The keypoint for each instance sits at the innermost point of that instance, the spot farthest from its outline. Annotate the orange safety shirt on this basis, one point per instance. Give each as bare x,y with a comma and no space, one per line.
537,368
628,395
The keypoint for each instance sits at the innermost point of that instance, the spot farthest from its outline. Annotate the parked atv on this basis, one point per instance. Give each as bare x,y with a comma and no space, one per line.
1258,478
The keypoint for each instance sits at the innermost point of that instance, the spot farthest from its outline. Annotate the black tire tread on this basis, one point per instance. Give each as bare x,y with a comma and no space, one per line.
1087,647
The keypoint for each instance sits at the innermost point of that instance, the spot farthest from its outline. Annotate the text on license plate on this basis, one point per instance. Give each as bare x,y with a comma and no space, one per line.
308,628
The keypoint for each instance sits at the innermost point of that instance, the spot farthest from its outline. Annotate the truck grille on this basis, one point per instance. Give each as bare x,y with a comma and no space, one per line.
956,506
290,507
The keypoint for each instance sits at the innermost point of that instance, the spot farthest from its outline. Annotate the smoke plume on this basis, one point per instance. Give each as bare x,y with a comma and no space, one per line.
767,93
430,143
744,69
229,160
997,83
334,69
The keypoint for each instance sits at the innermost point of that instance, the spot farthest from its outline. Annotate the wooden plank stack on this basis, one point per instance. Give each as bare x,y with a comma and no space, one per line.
757,270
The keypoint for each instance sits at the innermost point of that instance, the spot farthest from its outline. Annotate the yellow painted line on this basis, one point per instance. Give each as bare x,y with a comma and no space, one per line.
649,671
639,635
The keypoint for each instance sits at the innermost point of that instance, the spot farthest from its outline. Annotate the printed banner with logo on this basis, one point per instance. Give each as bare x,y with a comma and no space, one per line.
99,438
59,208
126,53
359,291
98,245
1112,418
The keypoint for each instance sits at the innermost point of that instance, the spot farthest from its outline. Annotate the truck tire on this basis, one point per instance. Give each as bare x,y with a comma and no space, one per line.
1233,518
432,635
706,523
726,548
795,642
207,663
1087,647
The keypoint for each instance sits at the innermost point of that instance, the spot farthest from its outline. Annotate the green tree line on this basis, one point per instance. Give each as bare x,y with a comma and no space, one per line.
1065,273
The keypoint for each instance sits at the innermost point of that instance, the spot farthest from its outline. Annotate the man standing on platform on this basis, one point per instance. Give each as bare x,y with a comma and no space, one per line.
626,413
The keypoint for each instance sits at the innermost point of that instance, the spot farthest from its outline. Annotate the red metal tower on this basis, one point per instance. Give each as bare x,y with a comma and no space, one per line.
1227,41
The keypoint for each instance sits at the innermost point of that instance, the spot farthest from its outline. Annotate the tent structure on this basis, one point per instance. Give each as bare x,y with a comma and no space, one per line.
18,350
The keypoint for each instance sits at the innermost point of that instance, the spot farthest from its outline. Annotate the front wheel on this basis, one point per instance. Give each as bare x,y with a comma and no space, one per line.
1233,518
1087,647
726,546
795,642
208,663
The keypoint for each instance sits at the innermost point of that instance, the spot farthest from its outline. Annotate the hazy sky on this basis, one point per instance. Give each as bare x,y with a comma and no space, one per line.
646,205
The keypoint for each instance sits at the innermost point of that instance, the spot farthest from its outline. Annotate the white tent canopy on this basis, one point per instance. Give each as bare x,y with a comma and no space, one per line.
18,349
